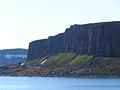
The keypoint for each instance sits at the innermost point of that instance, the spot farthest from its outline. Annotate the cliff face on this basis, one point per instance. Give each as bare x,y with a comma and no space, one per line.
98,39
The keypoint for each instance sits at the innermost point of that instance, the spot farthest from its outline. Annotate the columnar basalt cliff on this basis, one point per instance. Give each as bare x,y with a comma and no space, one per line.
98,39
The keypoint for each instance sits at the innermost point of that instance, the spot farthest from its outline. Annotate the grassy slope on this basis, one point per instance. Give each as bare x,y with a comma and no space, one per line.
66,64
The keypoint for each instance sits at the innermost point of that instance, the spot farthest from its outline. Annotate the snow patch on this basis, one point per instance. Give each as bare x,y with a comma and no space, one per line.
43,61
22,64
8,56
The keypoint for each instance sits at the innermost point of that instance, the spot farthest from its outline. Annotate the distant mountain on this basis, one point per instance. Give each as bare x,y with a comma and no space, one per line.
12,56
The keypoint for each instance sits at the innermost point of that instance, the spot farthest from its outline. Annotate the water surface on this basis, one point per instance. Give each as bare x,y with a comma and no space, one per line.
54,83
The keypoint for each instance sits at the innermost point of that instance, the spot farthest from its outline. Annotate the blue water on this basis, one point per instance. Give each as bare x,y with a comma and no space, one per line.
53,83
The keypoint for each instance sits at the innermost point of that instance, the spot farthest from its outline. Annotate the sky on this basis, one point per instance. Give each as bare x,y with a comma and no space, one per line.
23,21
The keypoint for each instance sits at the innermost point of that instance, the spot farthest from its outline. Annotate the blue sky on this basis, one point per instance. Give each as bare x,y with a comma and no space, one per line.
22,21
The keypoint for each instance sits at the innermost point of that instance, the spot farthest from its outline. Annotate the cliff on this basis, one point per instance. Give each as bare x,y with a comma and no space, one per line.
89,50
97,39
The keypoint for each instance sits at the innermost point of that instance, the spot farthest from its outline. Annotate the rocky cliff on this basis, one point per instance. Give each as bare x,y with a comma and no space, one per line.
97,39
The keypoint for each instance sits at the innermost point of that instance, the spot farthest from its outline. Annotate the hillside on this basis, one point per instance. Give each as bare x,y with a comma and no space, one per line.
66,65
12,56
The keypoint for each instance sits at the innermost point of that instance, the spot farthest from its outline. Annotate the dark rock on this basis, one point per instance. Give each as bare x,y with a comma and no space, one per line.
98,39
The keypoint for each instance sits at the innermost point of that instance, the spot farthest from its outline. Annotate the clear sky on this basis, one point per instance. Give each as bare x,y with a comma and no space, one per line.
22,21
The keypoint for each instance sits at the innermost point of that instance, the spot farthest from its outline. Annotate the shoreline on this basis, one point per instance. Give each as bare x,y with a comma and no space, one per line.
62,76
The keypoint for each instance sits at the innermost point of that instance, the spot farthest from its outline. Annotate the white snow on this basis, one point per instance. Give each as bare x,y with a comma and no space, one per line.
22,64
10,56
43,61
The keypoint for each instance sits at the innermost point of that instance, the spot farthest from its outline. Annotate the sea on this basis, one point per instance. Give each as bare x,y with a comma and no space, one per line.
58,83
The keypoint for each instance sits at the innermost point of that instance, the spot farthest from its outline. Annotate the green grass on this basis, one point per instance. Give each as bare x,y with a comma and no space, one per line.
66,57
105,58
63,59
54,59
79,59
59,58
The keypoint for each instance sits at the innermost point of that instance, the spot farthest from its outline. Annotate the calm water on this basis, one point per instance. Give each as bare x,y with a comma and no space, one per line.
47,83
